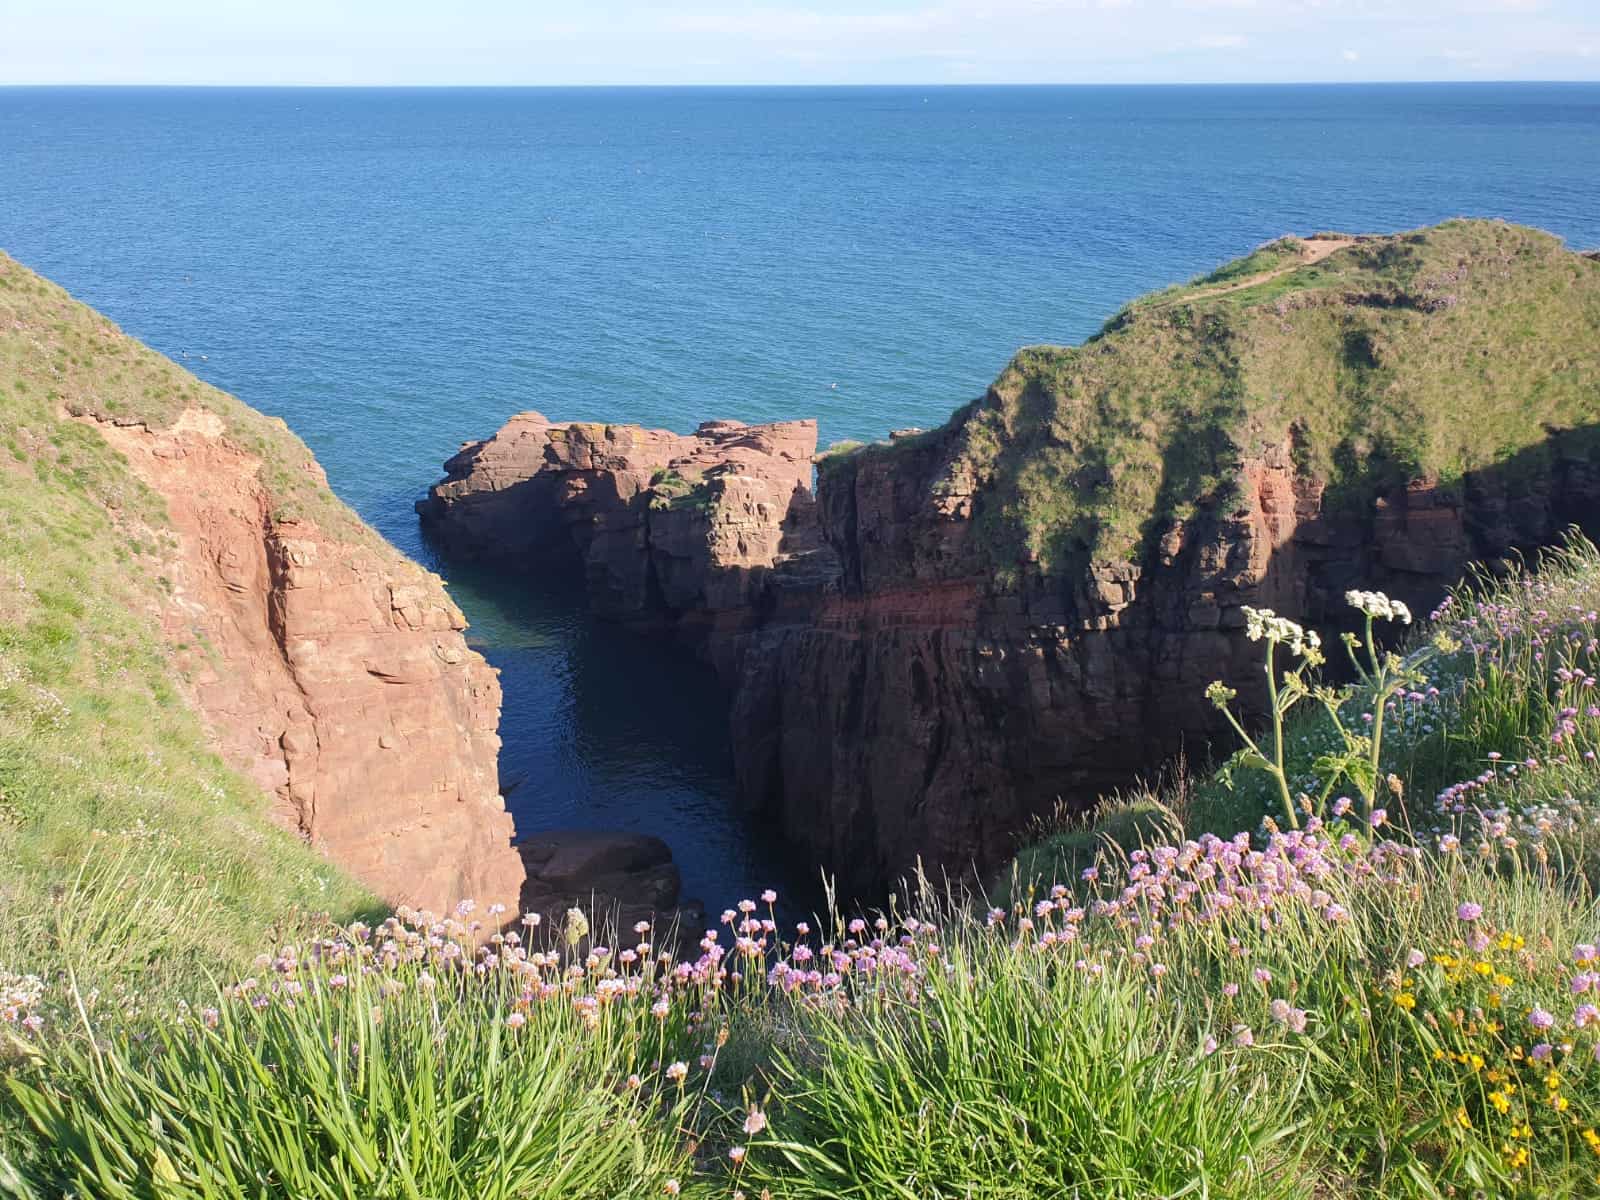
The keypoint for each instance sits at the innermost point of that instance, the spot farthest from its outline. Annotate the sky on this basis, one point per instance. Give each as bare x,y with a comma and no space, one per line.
535,42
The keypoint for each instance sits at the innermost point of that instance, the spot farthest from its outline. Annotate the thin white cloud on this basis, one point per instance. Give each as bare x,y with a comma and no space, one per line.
797,41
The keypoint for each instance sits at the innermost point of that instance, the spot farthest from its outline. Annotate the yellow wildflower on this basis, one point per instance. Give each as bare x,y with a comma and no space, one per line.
1406,1000
1462,1119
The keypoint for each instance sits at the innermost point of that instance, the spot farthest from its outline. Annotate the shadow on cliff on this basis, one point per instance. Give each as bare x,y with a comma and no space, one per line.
1374,531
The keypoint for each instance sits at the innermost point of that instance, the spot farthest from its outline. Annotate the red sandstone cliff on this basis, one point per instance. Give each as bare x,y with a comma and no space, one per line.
893,702
334,673
920,711
970,625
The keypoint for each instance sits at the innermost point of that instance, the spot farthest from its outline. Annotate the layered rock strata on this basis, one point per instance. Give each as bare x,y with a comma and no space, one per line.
666,528
891,702
1023,607
333,672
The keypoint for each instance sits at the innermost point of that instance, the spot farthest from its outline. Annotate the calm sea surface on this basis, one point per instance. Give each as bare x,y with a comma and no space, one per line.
396,271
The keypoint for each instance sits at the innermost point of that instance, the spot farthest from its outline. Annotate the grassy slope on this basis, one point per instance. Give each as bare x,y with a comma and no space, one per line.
127,846
1344,1027
1426,353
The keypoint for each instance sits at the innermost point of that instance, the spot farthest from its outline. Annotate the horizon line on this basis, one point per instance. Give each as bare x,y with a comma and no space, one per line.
943,84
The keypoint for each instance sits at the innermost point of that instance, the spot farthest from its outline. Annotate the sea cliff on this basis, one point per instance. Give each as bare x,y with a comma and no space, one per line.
961,629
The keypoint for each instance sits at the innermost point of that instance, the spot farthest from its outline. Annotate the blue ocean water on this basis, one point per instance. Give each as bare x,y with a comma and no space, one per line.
396,271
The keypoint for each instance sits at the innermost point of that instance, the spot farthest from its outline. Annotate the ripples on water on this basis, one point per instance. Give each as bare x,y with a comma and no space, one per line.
396,271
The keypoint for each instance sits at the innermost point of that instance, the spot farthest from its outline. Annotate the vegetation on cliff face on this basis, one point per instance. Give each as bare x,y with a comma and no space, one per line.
130,851
1422,354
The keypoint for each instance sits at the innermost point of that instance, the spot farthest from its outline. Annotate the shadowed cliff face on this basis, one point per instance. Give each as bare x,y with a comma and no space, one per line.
920,711
893,700
1024,607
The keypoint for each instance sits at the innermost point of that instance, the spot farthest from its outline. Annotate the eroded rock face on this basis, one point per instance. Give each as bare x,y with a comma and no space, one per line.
334,673
893,702
919,712
668,529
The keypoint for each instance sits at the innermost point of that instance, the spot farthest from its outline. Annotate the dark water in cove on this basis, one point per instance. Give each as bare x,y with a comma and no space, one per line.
396,271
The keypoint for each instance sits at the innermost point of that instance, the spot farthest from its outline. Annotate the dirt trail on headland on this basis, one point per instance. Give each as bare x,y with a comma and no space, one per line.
1312,251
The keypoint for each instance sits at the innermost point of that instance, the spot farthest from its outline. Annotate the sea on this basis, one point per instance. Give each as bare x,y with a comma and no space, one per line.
396,271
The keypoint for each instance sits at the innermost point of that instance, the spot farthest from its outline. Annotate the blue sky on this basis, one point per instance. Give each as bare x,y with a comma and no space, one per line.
793,41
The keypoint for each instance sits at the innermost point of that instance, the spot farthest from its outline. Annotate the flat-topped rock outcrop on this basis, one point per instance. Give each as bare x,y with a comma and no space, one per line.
667,528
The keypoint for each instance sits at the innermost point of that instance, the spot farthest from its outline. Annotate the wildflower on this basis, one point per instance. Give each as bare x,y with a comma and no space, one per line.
1469,911
1378,817
671,1187
1416,958
736,1154
755,1122
1539,1019
516,1021
577,926
1406,1000
1209,1046
678,1072
1264,623
769,897
1294,1019
1376,604
1242,1036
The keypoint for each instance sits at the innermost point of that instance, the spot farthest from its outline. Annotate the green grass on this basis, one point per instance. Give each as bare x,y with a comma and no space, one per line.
1431,353
105,775
1348,1030
399,1083
1342,1027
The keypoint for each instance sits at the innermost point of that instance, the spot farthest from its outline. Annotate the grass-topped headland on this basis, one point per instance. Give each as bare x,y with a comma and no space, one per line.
1426,354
